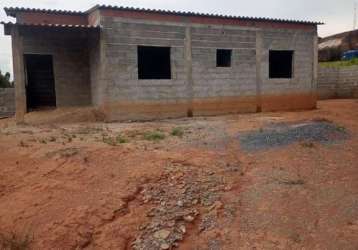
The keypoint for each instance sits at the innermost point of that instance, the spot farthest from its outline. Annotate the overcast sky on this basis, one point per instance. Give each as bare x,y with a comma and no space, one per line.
337,14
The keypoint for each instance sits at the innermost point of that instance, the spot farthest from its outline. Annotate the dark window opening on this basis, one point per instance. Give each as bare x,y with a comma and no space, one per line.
40,81
223,58
154,62
281,63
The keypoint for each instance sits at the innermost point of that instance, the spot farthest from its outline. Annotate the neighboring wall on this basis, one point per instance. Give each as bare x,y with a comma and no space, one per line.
7,102
70,59
338,82
197,85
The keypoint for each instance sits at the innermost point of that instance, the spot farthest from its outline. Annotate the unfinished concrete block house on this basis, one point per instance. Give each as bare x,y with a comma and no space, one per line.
141,64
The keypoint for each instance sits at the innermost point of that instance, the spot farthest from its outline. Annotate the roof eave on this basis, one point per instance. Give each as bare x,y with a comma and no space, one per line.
12,11
8,26
9,12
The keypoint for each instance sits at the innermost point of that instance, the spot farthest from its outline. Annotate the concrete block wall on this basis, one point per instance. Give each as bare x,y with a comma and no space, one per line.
197,85
299,92
96,63
223,89
70,61
7,102
334,82
124,96
348,82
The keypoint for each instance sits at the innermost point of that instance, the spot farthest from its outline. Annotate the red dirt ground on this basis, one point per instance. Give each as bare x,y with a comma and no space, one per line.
66,186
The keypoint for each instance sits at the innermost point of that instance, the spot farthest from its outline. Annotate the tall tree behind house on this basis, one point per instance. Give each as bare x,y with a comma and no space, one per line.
5,80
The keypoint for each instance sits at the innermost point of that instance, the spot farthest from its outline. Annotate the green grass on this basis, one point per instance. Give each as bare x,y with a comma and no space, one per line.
120,139
154,136
341,129
115,141
339,64
179,132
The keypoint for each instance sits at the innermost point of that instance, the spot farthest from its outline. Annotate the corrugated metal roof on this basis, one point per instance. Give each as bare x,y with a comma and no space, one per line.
12,12
52,25
182,13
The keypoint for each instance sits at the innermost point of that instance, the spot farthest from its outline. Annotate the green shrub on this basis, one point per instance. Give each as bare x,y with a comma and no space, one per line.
109,141
339,64
120,139
154,136
341,129
179,132
5,80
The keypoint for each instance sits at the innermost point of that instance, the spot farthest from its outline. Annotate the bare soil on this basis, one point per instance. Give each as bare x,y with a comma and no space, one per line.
180,184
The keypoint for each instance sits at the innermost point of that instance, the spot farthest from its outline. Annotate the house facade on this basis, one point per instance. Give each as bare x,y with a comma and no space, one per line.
137,64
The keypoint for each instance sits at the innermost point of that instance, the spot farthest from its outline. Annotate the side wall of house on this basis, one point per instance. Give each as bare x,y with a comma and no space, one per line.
197,86
300,91
70,61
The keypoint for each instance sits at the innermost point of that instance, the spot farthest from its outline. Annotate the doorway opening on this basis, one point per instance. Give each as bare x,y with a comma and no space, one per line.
40,82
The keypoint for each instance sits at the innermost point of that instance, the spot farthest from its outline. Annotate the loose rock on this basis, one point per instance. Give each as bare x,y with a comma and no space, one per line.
162,234
164,246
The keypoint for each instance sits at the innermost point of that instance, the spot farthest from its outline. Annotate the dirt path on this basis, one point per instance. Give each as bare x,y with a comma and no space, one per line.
184,184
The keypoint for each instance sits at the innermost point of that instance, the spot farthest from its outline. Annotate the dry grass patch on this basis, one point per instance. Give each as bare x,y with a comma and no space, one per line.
15,241
115,141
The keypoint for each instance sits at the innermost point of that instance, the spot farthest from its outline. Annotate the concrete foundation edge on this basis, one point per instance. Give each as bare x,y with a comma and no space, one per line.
151,110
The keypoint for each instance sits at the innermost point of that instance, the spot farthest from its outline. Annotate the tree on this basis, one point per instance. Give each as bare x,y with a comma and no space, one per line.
5,80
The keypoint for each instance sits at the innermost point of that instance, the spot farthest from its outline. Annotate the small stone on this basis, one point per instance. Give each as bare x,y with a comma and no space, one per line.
189,218
180,203
164,246
194,202
182,229
216,205
162,234
142,227
151,213
171,223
